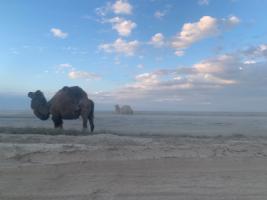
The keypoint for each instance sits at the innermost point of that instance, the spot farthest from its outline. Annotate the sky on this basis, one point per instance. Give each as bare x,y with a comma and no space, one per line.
188,55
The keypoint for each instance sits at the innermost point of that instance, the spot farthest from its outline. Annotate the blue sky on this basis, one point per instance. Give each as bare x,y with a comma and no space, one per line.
152,54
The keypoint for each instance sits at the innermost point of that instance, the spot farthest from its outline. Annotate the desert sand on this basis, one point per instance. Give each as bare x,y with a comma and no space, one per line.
106,166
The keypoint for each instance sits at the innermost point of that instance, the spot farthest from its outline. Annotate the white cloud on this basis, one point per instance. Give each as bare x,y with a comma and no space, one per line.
263,48
120,46
223,80
234,20
258,51
203,2
74,74
58,33
248,62
159,14
122,26
206,27
216,65
147,79
119,7
62,68
102,11
193,32
210,80
122,7
157,40
65,65
230,22
66,68
208,75
199,75
179,53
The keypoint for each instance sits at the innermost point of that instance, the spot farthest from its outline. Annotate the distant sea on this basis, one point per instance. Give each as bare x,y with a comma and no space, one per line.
156,123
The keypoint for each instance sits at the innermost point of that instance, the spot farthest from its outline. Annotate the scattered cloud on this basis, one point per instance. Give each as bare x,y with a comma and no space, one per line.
203,2
146,79
182,79
230,21
159,14
206,27
72,73
233,20
179,53
215,65
193,32
248,62
63,68
157,40
122,26
219,82
103,11
65,65
58,33
120,46
224,72
227,71
256,52
75,74
122,7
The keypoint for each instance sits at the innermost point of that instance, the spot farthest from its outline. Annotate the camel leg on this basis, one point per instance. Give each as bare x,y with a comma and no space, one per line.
58,122
91,121
87,112
85,120
84,117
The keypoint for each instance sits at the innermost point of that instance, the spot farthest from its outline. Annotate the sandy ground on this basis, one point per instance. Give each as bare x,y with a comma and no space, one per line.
111,167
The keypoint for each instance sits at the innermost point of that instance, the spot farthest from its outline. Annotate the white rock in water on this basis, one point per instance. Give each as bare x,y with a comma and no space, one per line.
125,109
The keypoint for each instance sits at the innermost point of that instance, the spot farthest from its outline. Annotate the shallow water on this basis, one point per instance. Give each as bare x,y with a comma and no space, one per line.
157,123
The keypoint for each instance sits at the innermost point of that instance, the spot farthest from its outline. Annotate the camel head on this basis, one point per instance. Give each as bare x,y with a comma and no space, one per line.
39,105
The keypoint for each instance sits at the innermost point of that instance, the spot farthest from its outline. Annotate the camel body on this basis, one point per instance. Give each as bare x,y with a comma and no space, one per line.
67,103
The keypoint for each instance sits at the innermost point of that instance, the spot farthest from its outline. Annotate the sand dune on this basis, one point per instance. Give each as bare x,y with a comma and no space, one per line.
106,166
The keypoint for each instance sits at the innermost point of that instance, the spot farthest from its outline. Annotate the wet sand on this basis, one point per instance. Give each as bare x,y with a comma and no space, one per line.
107,166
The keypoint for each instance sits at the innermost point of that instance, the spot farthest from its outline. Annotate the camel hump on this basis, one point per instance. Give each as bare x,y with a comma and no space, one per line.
74,92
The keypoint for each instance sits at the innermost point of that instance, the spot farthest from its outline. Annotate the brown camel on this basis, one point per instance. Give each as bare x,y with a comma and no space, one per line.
67,103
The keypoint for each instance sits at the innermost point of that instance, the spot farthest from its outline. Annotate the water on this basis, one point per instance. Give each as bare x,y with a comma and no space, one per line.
157,123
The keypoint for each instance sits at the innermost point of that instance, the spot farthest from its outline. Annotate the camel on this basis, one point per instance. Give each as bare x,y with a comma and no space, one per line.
67,103
126,109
